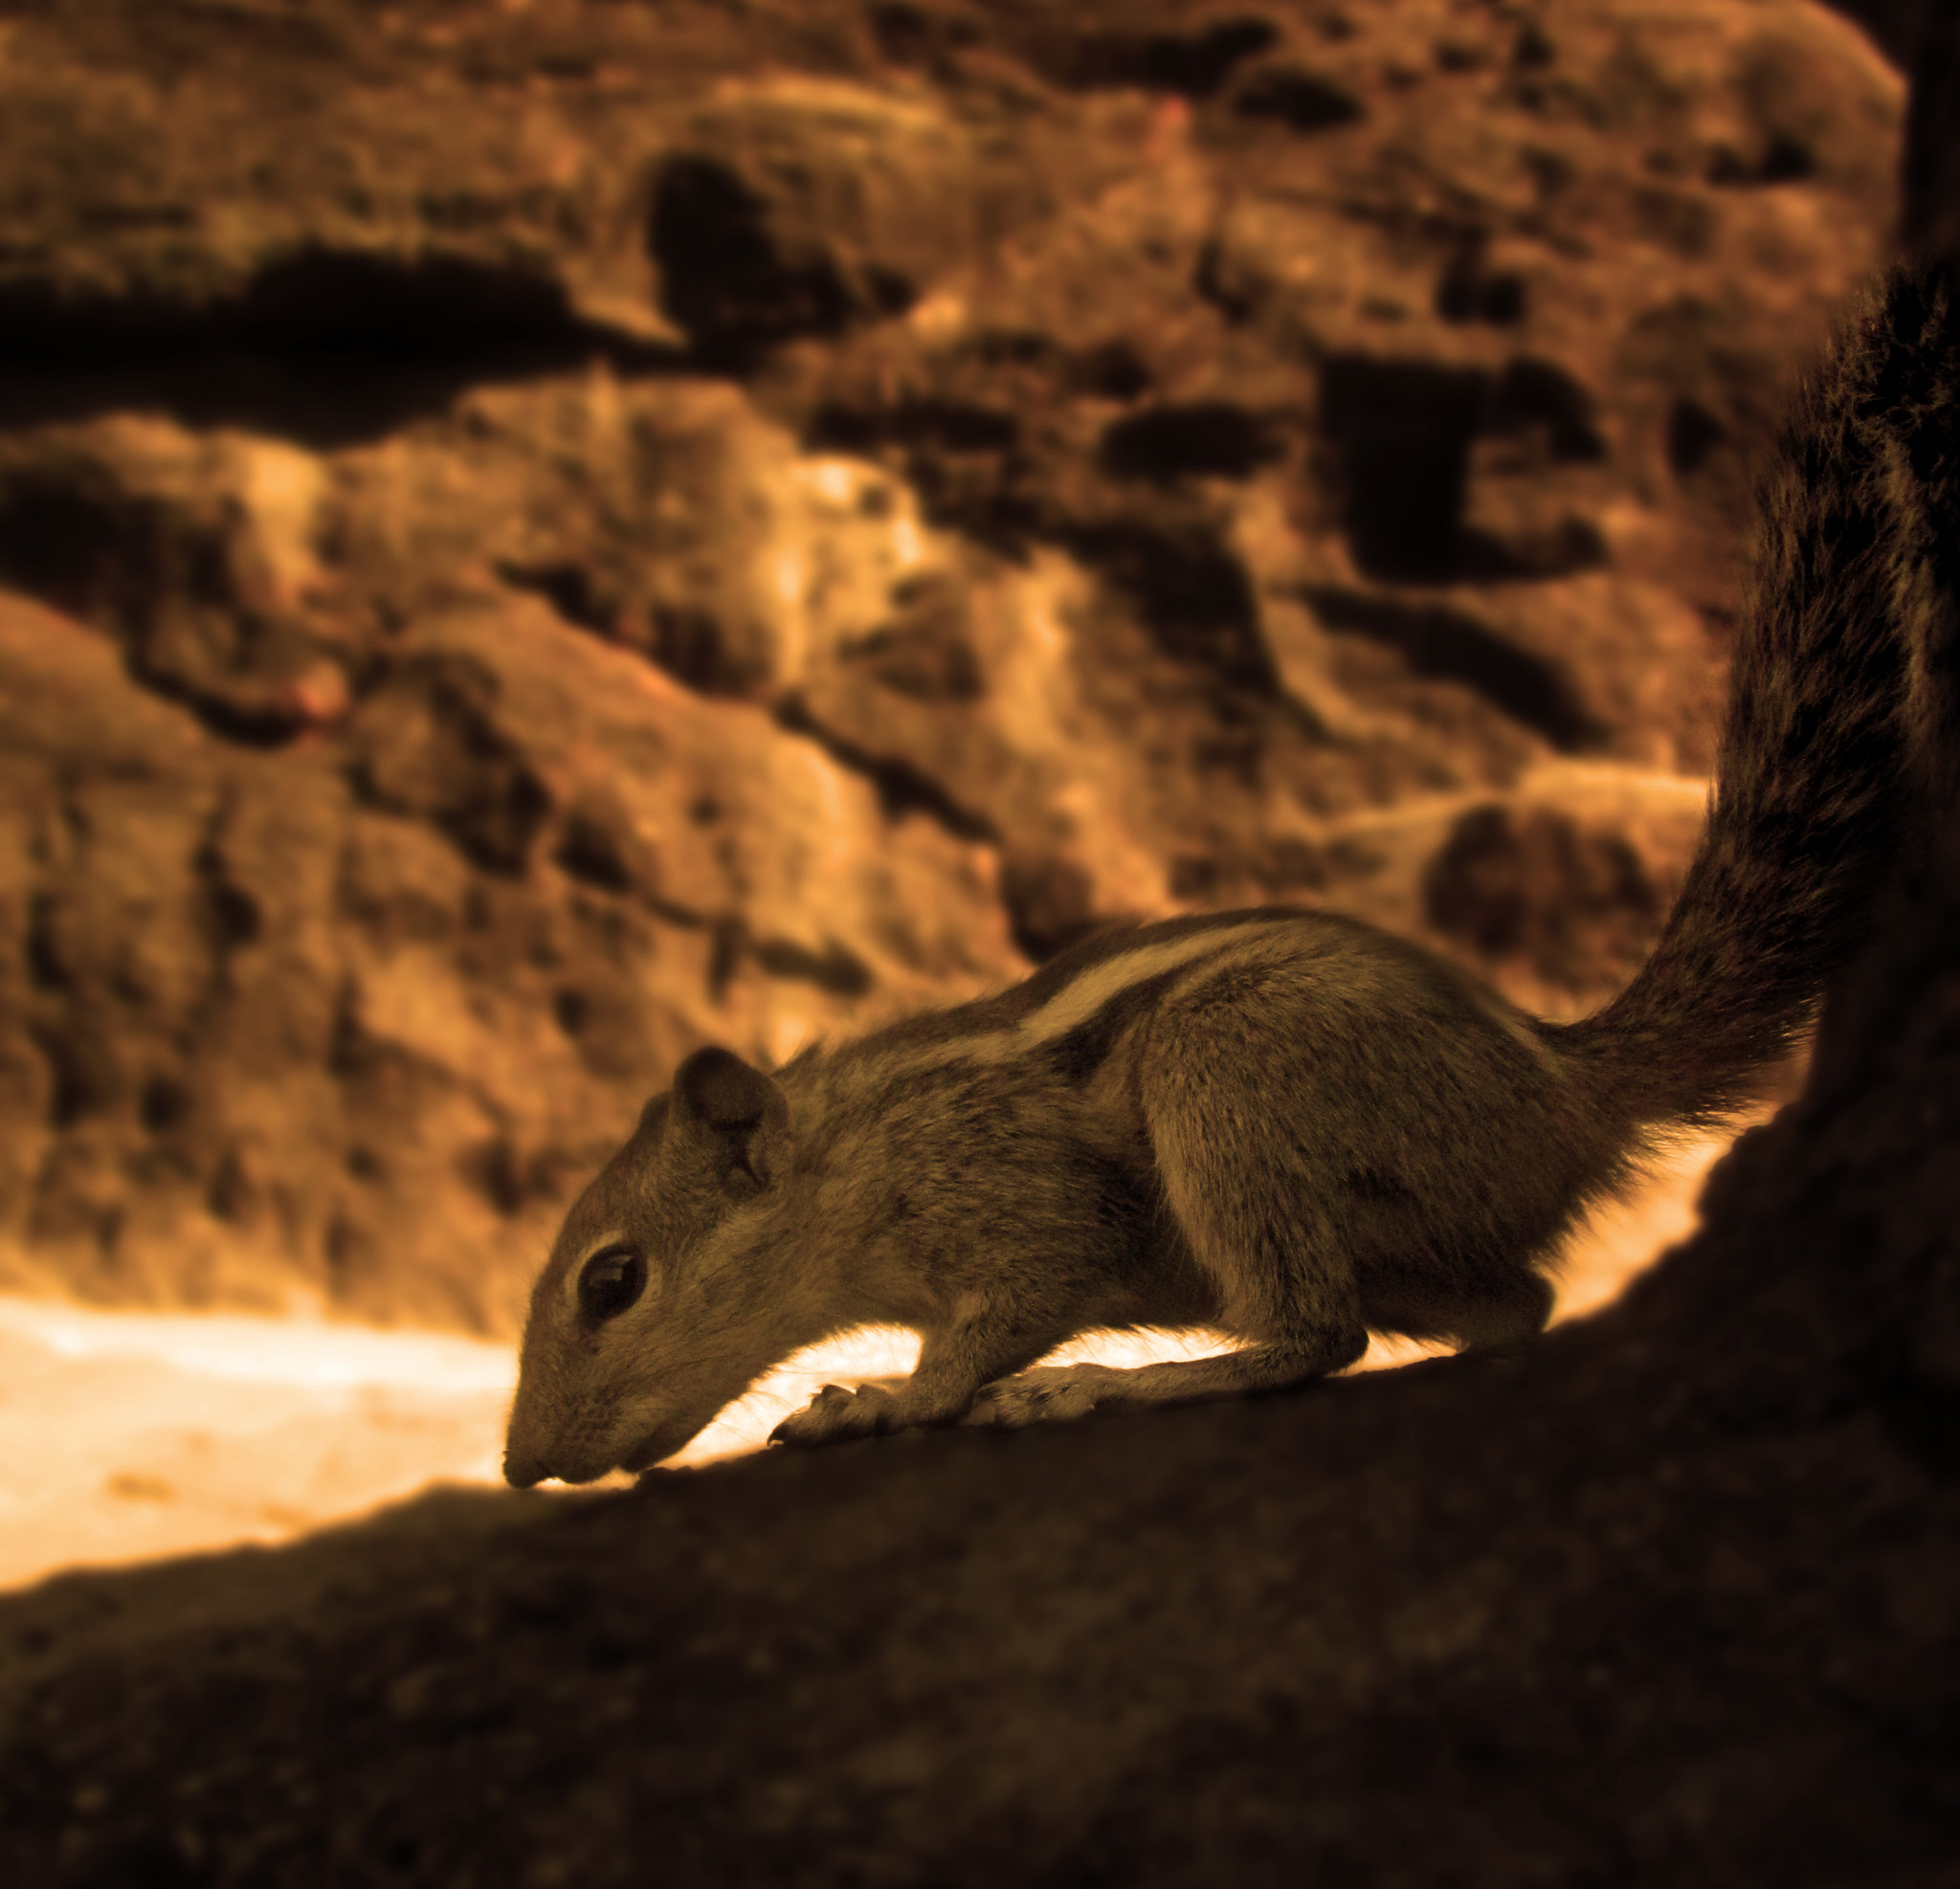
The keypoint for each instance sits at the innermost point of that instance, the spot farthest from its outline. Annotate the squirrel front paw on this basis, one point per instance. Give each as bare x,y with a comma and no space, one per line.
1053,1394
837,1416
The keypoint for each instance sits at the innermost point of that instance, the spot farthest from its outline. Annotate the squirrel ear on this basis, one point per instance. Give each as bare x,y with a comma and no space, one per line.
734,1109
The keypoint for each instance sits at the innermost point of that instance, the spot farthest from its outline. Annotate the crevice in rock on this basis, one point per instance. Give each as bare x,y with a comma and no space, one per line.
735,283
833,969
922,651
47,966
83,1078
1187,590
909,36
902,788
1469,290
1572,545
163,1104
964,460
588,851
1449,645
947,426
1211,283
173,584
1110,370
1537,393
1693,434
230,917
1050,904
1783,160
1534,884
1192,64
71,548
1401,431
567,586
326,349
491,1169
1204,439
428,744
1299,101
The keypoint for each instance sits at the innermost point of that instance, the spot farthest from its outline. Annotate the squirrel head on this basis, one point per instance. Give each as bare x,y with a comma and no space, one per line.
653,1311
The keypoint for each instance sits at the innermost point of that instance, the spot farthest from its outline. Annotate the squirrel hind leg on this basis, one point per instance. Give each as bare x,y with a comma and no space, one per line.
1253,1212
1488,1317
1517,1311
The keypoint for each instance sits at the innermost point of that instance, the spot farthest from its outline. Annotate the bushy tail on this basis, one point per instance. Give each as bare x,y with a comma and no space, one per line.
1842,715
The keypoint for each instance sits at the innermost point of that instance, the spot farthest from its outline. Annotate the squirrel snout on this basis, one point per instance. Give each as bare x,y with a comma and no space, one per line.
522,1472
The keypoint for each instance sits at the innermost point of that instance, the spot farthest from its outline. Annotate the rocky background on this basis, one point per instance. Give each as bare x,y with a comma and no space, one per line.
534,537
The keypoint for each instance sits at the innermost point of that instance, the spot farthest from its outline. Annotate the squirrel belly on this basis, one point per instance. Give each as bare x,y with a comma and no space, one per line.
1287,1124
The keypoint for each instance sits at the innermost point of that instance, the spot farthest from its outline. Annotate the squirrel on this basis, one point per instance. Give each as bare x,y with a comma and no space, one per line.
1285,1125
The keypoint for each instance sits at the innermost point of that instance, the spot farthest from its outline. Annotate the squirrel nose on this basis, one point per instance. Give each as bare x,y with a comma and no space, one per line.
522,1472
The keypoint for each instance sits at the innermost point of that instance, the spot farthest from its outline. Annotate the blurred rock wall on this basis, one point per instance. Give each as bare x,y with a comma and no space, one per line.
534,537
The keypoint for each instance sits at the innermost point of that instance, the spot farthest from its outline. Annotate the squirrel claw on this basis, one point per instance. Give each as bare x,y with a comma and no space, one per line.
1058,1393
837,1416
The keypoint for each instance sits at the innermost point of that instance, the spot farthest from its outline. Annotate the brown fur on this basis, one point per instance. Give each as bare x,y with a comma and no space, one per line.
1285,1125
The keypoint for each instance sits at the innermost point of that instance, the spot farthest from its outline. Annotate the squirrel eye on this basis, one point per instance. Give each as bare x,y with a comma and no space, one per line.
610,1281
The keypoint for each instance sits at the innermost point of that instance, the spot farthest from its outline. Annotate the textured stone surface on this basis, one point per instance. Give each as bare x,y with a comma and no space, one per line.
576,531
368,1008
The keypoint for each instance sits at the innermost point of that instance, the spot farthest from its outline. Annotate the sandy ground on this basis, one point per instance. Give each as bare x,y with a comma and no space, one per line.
129,1435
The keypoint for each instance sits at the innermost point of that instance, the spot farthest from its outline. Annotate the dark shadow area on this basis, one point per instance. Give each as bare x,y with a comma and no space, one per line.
1448,645
901,789
567,587
327,349
1537,393
834,968
923,650
940,426
1469,292
1532,50
1572,545
1402,431
1535,885
1187,590
1192,64
735,283
1110,370
965,460
1693,434
909,36
1301,101
1049,902
92,555
164,582
589,851
428,744
1207,439
1782,160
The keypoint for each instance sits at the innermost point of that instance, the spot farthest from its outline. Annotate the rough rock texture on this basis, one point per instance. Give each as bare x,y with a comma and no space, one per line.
575,530
1923,38
1673,1597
